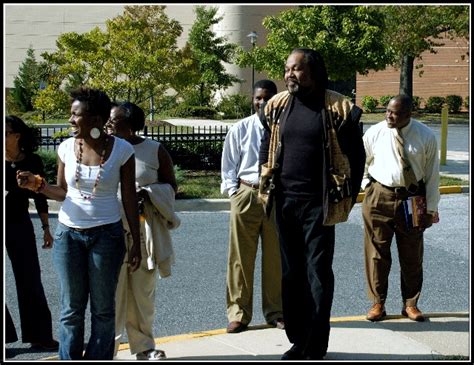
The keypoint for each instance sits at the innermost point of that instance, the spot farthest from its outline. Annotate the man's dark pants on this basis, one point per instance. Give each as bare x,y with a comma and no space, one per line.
307,250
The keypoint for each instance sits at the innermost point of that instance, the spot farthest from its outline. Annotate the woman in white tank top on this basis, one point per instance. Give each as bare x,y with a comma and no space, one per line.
154,168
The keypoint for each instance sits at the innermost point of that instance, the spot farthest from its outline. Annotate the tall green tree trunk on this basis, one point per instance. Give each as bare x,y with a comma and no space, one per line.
406,75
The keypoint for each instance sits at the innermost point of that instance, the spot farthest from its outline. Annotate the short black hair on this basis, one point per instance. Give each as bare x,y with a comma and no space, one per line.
97,102
29,136
405,101
134,114
265,84
316,64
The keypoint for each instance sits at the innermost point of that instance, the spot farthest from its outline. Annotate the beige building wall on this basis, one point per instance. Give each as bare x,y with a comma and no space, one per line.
237,23
39,26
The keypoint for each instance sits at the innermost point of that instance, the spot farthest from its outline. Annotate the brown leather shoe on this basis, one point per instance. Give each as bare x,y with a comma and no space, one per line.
278,323
236,327
413,313
376,312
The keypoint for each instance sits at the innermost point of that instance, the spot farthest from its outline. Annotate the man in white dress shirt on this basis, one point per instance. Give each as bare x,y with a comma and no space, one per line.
382,208
249,223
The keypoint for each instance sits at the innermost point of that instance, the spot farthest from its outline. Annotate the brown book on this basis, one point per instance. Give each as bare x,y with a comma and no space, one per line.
418,204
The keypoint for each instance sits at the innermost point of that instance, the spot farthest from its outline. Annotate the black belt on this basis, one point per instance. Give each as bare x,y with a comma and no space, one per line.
246,183
395,189
93,229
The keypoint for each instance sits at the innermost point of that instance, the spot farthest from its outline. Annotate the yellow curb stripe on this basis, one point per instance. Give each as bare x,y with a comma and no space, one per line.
454,189
450,189
194,335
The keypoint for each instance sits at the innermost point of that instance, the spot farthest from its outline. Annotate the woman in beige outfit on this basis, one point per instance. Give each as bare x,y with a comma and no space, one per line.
156,188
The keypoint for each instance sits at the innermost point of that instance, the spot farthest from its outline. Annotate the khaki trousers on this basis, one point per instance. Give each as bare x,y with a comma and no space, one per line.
135,304
248,223
383,216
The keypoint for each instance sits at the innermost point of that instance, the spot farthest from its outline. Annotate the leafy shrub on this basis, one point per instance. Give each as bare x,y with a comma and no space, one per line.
466,102
184,110
434,104
62,134
385,99
193,155
50,164
235,106
34,116
416,102
369,104
454,103
12,108
179,174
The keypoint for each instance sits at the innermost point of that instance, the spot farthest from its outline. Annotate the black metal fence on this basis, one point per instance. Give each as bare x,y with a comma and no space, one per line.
193,148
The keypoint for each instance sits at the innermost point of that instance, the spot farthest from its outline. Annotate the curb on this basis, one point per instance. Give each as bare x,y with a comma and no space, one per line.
196,205
220,331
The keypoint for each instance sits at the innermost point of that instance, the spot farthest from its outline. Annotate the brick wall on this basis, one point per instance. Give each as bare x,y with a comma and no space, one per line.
445,73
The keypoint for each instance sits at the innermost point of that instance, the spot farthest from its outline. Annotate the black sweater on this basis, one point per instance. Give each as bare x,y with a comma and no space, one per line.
16,198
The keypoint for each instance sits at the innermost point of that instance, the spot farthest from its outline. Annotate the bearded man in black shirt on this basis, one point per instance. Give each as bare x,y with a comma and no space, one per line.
298,119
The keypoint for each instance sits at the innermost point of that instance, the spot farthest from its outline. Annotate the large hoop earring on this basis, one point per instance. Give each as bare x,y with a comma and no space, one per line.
95,133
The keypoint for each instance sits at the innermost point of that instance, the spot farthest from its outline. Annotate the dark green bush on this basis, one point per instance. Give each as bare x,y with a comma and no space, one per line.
235,106
454,103
369,104
434,104
185,110
194,155
49,159
416,102
466,102
385,99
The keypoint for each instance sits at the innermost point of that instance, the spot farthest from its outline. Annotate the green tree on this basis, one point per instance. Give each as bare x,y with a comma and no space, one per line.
348,37
26,84
135,58
209,53
412,30
52,102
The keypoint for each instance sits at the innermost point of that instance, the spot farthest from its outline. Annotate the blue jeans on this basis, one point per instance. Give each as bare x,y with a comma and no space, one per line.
88,264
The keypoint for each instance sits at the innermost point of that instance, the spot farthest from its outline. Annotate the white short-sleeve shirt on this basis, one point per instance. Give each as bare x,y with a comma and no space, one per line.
104,207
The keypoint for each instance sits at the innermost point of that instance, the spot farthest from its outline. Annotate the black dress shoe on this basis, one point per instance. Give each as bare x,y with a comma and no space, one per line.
315,356
236,327
295,353
51,345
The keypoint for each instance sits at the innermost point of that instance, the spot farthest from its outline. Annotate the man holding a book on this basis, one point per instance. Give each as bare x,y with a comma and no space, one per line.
401,183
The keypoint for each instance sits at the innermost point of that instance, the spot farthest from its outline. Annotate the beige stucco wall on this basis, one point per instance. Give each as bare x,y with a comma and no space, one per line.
237,23
40,25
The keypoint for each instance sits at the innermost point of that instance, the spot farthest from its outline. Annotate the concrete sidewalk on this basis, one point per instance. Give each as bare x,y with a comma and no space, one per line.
441,336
